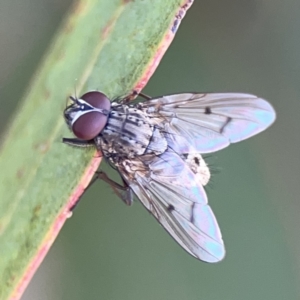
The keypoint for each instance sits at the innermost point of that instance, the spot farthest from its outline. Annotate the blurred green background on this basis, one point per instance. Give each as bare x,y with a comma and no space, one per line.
110,251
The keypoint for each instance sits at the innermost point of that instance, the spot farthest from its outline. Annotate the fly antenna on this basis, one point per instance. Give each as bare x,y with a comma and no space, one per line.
75,89
67,102
73,99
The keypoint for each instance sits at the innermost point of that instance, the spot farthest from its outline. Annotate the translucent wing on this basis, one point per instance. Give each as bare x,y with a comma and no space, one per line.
209,122
170,190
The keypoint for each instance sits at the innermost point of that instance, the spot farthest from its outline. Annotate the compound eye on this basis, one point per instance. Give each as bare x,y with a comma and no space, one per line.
89,125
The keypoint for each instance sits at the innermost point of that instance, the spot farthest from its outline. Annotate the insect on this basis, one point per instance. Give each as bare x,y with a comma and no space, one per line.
156,146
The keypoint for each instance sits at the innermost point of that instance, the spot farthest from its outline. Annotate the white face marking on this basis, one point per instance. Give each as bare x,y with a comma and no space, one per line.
82,109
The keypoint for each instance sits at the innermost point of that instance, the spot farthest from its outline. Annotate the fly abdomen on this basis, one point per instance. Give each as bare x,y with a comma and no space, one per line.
158,143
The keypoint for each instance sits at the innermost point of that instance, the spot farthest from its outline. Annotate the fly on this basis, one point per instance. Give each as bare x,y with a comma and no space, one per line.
156,146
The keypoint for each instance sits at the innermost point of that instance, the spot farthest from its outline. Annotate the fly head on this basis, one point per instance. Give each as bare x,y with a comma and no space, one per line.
87,116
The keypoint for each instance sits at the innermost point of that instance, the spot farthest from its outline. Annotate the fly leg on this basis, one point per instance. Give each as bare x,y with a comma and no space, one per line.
124,192
78,143
133,95
144,96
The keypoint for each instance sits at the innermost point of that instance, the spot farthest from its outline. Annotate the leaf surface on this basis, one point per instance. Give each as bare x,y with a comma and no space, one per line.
108,45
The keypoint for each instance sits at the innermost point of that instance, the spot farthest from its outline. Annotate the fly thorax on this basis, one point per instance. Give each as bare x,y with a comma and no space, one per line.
127,133
135,165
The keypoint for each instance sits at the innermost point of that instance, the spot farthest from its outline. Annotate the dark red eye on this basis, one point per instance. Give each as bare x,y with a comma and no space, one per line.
89,125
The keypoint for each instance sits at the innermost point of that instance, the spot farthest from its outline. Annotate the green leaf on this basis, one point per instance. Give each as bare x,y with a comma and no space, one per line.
112,46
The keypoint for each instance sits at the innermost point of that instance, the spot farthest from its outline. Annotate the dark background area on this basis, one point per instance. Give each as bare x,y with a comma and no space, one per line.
110,251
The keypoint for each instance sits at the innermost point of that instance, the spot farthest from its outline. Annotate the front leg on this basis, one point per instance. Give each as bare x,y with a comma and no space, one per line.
78,143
